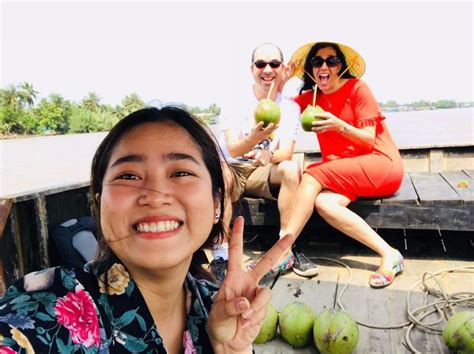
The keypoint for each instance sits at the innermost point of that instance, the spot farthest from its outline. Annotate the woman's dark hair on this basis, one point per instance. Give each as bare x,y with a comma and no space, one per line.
308,82
211,154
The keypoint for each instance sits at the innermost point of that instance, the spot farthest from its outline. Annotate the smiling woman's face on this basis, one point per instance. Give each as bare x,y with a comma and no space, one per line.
326,77
157,206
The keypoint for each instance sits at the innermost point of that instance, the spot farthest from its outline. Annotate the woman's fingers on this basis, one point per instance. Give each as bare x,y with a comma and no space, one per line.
258,307
260,301
271,257
236,245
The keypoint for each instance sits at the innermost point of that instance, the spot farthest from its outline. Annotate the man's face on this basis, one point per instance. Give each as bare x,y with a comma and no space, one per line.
267,66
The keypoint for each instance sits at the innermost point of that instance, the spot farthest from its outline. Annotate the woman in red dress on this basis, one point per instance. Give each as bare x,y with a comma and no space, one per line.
359,157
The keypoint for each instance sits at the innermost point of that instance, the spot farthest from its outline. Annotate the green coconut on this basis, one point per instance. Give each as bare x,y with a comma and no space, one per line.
269,326
308,117
267,112
335,332
296,324
458,334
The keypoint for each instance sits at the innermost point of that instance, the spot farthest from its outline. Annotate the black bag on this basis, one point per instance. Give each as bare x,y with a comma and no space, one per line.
75,242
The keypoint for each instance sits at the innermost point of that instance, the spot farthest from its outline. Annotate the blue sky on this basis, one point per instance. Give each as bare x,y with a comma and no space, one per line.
198,52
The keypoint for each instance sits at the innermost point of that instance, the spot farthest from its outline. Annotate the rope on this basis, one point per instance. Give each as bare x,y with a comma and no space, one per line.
442,304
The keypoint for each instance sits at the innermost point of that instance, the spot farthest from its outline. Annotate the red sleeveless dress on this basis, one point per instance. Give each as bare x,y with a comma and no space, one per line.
347,168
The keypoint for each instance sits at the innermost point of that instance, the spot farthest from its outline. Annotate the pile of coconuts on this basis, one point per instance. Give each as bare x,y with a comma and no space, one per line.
335,332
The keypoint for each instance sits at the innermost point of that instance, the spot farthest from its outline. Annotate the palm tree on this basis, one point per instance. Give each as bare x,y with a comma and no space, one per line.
10,97
131,103
27,94
92,102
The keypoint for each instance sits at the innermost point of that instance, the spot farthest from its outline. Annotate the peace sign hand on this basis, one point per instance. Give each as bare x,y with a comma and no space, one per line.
240,305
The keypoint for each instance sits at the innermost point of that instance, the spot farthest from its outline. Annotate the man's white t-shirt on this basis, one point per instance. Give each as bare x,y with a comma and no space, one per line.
239,118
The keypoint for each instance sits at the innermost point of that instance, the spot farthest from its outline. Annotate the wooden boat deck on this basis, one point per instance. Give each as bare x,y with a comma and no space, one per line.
424,251
425,200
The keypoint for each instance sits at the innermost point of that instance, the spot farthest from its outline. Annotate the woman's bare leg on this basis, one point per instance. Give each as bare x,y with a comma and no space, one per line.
333,209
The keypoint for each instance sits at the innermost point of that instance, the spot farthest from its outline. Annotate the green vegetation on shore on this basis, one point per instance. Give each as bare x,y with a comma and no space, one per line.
21,114
423,105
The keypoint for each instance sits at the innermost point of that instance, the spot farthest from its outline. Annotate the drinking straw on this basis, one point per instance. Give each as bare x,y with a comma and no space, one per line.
314,94
270,91
312,78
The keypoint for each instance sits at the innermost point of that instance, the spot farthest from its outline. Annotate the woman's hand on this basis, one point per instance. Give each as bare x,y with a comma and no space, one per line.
329,122
363,137
240,305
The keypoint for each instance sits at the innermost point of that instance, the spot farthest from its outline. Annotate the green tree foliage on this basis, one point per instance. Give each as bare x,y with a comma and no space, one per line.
391,104
53,113
18,114
91,102
10,97
208,115
131,103
213,108
17,121
27,94
445,104
421,104
83,120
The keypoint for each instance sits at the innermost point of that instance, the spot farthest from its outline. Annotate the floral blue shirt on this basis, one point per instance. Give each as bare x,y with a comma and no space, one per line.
60,310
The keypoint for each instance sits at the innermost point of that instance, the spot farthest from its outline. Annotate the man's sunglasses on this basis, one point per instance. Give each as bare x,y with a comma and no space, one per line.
260,64
331,62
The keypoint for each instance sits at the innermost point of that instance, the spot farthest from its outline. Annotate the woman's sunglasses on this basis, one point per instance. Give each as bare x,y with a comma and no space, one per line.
274,64
331,62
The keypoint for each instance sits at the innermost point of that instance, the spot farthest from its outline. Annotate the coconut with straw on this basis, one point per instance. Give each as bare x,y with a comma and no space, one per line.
267,110
309,114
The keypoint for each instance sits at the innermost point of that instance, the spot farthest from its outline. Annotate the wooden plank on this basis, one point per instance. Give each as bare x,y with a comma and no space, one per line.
433,189
260,212
427,217
5,206
41,218
462,183
405,195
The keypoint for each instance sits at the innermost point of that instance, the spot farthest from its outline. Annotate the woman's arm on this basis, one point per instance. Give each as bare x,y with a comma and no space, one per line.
240,305
363,137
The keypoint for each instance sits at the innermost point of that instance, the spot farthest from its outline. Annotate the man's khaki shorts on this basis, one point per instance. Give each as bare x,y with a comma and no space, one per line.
251,181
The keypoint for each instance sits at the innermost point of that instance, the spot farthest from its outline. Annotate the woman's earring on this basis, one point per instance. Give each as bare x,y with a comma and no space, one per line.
218,215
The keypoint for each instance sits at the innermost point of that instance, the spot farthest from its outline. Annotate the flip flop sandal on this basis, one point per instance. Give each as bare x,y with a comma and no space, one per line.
384,277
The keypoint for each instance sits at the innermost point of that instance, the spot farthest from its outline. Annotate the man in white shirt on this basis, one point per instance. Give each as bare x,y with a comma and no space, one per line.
260,157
